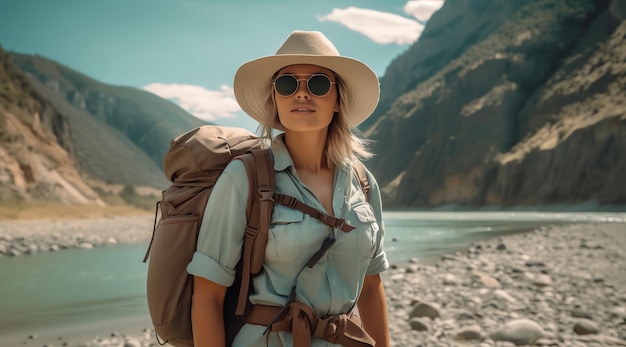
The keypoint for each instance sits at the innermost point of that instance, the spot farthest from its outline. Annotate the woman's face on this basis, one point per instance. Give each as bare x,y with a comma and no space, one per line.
303,111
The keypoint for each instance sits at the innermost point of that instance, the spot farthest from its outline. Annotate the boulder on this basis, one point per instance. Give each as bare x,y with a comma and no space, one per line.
424,309
418,324
585,326
520,332
473,332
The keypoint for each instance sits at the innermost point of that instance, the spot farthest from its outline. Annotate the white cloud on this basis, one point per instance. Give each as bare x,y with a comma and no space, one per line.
200,102
380,27
422,9
384,27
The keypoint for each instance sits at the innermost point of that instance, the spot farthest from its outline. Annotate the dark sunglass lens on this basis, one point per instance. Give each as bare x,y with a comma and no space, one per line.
286,85
319,85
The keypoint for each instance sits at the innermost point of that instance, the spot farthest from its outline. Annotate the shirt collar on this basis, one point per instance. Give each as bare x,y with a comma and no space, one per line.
282,158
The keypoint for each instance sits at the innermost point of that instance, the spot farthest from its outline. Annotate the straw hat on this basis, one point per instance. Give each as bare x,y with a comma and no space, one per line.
253,79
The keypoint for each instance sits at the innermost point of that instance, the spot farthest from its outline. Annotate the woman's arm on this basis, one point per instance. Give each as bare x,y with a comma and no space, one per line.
373,310
207,310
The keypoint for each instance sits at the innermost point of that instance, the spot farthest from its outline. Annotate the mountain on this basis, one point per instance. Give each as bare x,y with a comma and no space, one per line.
35,145
506,103
145,119
67,137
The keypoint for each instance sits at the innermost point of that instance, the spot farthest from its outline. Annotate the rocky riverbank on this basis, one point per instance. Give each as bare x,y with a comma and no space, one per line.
556,286
30,237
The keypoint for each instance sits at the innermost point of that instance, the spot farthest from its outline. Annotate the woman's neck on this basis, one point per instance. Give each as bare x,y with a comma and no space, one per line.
307,150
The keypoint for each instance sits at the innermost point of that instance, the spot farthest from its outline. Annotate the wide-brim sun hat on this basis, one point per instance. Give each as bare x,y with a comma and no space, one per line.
253,79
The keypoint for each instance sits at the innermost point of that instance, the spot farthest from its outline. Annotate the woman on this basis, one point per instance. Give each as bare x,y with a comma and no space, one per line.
316,97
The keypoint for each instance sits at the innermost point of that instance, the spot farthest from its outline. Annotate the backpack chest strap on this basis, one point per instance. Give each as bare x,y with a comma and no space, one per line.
291,202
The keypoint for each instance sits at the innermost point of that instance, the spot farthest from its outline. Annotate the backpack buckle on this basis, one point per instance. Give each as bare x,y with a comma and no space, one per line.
251,232
331,221
266,193
288,201
337,223
340,223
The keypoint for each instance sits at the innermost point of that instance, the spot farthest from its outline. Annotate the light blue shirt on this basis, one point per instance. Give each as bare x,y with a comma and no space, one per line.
333,285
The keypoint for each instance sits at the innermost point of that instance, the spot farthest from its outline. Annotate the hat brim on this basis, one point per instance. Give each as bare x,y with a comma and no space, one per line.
253,79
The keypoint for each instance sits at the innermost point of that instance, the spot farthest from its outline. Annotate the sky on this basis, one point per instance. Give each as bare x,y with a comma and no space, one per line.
188,51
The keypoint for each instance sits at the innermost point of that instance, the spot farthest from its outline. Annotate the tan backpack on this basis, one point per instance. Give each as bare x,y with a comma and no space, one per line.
193,163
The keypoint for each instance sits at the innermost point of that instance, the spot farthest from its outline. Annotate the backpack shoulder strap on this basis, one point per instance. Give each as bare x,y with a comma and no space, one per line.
361,175
261,180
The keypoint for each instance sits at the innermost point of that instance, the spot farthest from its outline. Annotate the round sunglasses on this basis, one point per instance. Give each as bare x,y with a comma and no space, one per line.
317,84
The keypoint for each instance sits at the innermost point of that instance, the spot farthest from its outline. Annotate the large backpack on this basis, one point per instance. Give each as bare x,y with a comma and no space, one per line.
193,164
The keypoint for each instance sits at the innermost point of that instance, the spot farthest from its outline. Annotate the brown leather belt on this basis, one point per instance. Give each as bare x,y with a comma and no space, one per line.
301,321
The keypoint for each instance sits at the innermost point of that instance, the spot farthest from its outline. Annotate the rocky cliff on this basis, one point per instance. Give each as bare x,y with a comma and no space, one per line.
68,138
507,104
35,145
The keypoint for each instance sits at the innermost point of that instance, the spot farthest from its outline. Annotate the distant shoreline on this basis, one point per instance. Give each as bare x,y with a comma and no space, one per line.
39,236
51,211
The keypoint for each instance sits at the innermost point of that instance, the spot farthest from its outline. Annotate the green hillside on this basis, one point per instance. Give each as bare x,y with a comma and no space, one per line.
147,120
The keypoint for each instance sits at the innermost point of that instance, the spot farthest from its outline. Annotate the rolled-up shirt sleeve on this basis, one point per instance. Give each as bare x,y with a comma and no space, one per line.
379,262
220,238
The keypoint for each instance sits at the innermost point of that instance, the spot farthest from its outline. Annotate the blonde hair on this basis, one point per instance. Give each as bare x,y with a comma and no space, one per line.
344,142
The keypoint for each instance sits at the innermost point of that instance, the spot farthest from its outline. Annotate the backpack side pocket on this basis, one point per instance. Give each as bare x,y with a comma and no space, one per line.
170,287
